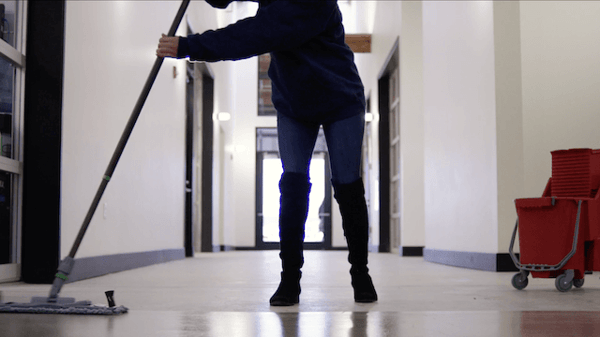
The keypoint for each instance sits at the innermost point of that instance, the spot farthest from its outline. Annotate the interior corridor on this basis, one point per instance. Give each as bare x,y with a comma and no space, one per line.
226,294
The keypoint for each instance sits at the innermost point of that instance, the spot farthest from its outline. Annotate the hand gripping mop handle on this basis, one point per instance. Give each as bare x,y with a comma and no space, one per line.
66,266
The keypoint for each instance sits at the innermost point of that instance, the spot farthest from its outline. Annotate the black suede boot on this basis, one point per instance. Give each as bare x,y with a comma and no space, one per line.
355,221
295,188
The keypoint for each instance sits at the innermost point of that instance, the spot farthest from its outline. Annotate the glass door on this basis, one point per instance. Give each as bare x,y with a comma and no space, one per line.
269,171
12,62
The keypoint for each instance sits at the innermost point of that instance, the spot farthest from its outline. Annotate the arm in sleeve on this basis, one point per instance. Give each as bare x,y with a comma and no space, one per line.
223,3
284,24
219,3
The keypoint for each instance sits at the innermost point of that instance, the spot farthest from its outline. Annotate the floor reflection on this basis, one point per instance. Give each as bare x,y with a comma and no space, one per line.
427,324
306,324
552,323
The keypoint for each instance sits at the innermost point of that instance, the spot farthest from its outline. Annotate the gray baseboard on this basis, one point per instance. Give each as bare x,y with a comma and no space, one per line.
89,267
222,248
479,261
411,251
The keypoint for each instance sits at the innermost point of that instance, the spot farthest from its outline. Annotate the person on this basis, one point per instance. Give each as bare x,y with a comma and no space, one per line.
315,83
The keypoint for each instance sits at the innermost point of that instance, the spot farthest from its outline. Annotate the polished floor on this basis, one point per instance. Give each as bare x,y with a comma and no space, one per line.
226,294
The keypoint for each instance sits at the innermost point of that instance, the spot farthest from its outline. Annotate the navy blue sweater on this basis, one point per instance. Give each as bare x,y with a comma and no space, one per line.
314,78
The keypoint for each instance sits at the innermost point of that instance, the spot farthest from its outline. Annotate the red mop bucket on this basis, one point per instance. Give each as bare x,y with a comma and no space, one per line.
551,242
560,233
575,173
550,234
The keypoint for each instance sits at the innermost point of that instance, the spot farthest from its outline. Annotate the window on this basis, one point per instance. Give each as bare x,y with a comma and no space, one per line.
265,104
12,17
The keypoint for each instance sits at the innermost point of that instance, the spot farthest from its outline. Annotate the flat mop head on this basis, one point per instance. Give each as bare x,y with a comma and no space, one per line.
60,305
55,304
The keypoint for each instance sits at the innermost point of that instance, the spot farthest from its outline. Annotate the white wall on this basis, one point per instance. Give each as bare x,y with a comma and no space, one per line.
385,29
560,44
239,143
358,18
388,21
509,117
472,140
109,51
460,127
461,159
412,127
234,211
223,232
504,84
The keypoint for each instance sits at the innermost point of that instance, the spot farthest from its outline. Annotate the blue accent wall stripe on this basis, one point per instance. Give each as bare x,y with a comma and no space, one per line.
89,267
479,261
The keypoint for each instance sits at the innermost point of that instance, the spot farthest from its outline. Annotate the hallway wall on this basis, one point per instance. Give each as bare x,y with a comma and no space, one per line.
392,20
509,117
237,94
547,81
385,30
110,49
560,43
503,85
471,139
412,124
460,127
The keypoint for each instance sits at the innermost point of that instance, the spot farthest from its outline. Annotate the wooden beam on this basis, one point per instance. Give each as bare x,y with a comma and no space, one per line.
359,43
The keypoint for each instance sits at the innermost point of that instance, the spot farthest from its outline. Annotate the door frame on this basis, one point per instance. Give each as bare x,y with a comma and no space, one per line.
189,160
199,72
327,230
41,143
392,62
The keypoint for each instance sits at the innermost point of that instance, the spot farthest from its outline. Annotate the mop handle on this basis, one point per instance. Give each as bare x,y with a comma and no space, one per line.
128,130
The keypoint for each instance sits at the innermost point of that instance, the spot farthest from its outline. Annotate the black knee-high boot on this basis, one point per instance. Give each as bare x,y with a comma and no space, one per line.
355,221
295,188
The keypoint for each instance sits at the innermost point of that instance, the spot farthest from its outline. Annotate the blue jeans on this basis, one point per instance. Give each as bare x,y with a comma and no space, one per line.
344,142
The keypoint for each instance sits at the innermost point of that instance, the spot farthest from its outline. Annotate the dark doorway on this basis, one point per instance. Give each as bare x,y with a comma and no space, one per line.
199,157
42,141
189,162
388,142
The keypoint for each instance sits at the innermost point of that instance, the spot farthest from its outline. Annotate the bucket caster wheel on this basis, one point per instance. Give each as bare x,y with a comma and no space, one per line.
520,281
578,283
563,284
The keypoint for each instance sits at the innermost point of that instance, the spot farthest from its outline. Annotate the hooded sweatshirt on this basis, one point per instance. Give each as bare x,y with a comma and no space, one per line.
313,74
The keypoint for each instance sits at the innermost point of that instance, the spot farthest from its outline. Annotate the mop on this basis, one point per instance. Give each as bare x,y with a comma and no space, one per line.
54,304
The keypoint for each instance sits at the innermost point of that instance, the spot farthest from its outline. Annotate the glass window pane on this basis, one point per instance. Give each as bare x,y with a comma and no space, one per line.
394,160
396,232
395,197
393,130
266,140
7,80
393,86
397,160
315,222
8,22
264,63
272,172
6,226
265,105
